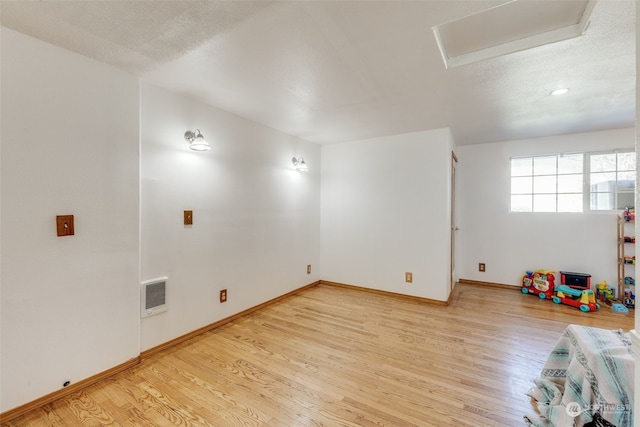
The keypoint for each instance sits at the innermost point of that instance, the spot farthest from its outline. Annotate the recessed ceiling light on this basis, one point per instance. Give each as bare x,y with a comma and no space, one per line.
560,91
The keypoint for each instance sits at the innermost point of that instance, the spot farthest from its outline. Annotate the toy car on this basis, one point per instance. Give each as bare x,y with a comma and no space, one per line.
540,283
585,300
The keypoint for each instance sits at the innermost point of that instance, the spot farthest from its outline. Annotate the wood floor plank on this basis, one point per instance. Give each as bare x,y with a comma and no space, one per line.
89,412
59,413
336,356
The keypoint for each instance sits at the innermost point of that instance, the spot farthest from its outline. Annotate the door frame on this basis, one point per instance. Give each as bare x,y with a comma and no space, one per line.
454,227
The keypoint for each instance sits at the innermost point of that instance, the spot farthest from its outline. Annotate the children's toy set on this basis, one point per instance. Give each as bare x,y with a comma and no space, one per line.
574,289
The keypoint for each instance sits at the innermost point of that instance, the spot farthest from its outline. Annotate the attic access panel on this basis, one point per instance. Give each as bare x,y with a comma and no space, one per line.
511,27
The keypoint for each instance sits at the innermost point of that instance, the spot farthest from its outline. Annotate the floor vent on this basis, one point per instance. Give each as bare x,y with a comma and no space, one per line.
154,297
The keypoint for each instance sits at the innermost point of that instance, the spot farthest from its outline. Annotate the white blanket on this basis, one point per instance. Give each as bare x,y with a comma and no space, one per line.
589,371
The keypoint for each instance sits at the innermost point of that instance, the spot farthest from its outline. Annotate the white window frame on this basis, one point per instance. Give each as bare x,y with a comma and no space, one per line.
555,174
616,192
586,181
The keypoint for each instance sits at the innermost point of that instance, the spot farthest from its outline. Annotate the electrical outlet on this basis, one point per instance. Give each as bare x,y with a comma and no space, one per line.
64,225
408,277
309,269
223,295
482,267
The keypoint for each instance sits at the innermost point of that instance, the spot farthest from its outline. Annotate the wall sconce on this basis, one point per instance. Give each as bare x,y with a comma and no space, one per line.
299,164
196,141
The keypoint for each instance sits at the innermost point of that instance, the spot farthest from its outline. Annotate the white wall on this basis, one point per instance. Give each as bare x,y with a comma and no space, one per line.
69,146
256,220
385,211
511,243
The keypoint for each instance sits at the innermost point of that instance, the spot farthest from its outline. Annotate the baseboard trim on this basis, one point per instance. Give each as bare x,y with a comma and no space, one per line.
381,292
51,397
451,293
157,349
489,284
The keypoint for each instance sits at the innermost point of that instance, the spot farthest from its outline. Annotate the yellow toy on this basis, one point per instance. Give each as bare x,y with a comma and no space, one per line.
604,293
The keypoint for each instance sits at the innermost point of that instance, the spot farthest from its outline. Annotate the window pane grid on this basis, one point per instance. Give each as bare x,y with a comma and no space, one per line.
549,183
573,182
612,180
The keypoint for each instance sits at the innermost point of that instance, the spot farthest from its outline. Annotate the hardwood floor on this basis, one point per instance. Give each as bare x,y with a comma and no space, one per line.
337,356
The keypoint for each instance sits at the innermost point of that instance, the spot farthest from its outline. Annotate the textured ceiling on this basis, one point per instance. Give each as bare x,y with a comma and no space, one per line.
331,71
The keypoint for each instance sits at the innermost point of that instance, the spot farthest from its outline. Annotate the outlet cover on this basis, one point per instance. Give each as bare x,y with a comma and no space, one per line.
482,267
309,269
64,225
188,217
223,295
408,277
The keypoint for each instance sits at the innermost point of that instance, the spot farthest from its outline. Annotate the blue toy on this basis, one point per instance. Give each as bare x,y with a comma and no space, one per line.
619,308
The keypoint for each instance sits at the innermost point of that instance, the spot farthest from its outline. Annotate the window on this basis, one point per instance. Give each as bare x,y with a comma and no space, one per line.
547,183
556,183
612,180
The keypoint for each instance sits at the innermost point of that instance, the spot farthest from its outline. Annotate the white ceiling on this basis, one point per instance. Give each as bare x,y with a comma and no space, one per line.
332,71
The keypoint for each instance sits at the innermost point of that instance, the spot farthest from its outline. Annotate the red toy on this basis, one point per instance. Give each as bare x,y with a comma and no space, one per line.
540,282
584,299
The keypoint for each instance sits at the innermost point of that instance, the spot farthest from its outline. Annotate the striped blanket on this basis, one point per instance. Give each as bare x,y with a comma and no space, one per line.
587,380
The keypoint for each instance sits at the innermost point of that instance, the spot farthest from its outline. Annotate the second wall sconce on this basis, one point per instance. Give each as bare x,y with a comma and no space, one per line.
299,164
196,140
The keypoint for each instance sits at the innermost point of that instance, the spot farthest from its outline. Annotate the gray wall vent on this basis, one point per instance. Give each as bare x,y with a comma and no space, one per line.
154,296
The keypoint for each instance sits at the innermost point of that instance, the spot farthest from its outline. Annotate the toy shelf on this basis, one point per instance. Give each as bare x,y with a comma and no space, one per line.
626,257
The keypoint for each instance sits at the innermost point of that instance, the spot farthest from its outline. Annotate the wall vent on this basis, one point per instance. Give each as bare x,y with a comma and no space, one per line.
154,297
